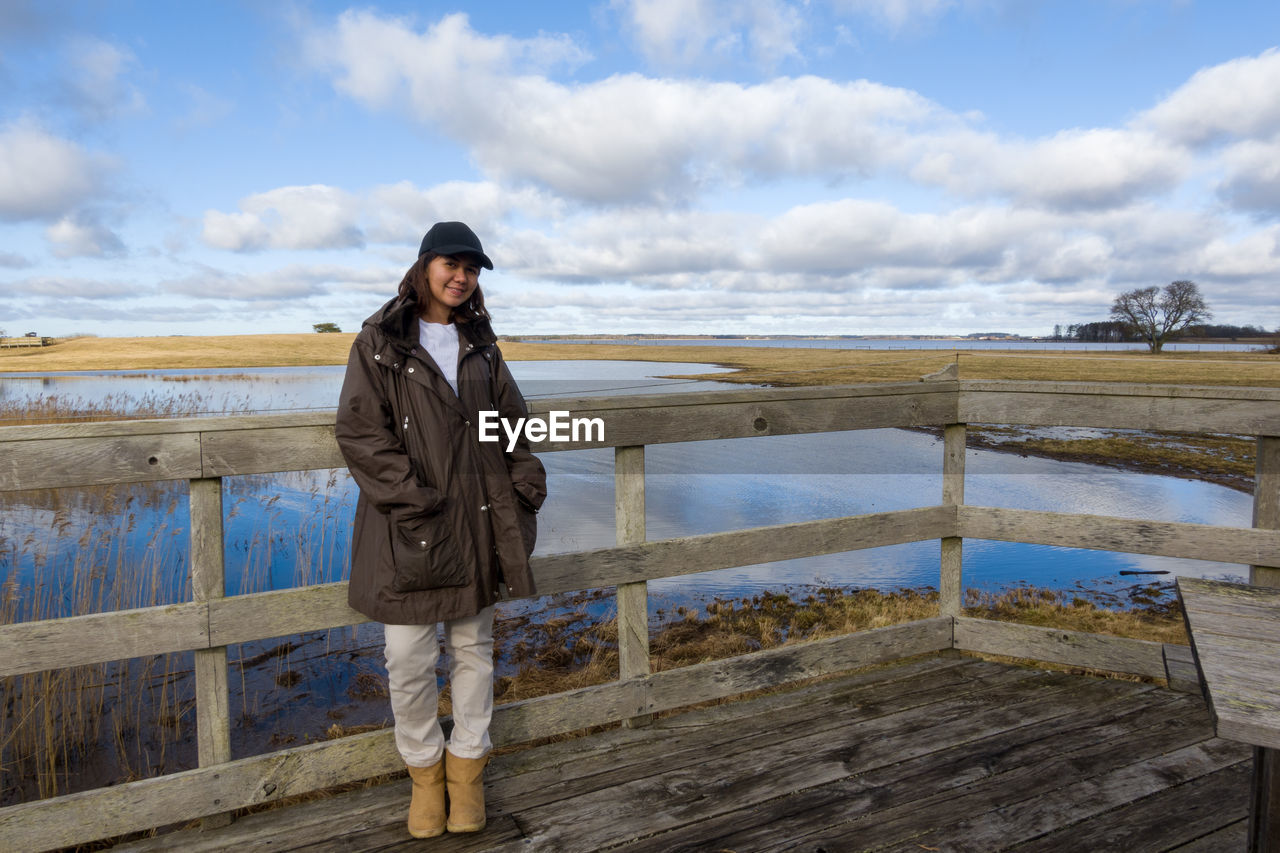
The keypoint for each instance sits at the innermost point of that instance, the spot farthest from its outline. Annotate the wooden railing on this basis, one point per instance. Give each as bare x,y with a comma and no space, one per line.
203,450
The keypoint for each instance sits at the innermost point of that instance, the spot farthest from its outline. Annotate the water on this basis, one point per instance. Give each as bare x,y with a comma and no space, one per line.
910,343
277,389
77,551
711,486
293,528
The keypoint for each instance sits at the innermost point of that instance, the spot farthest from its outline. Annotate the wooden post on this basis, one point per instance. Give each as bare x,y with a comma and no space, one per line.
1264,805
633,598
1266,503
951,583
208,581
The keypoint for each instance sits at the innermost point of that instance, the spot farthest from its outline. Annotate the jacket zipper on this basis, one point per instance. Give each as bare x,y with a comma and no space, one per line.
479,469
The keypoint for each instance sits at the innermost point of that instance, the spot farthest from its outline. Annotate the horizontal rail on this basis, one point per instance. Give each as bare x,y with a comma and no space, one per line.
188,795
1121,405
60,455
96,638
195,449
1055,645
1248,545
78,640
103,812
101,637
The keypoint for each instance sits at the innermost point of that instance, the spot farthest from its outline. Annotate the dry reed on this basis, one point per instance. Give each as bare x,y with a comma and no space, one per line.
760,365
68,552
85,726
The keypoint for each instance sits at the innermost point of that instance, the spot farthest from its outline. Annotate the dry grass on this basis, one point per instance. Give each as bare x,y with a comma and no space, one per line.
784,366
1156,616
113,548
54,409
1227,460
573,652
798,366
180,352
759,365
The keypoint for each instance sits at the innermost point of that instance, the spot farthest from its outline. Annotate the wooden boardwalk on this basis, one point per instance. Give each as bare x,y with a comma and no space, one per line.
945,753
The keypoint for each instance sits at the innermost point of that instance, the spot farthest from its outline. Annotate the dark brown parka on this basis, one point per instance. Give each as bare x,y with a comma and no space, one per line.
442,518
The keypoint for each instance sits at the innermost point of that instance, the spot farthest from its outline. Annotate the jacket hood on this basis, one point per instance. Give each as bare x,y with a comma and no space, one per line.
398,321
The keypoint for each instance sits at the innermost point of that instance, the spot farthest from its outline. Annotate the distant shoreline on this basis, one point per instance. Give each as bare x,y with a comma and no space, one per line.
993,338
1228,463
780,365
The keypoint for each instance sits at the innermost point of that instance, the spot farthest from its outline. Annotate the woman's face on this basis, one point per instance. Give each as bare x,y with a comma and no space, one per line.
451,279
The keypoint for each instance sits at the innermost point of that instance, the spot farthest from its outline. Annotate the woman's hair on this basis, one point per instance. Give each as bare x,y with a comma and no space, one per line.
415,283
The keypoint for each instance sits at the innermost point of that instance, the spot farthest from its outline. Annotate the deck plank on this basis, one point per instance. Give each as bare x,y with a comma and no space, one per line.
725,779
895,793
688,745
946,752
1002,826
1156,822
1234,836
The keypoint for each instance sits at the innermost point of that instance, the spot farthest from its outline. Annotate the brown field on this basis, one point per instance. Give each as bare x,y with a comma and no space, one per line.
763,365
179,352
1229,461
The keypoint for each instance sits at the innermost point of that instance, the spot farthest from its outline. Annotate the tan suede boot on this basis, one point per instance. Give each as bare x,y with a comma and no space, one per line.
466,792
426,808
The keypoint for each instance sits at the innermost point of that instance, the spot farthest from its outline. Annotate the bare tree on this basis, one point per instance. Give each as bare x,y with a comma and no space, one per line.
1158,314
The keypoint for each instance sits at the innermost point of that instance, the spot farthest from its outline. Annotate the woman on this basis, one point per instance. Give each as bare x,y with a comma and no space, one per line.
443,520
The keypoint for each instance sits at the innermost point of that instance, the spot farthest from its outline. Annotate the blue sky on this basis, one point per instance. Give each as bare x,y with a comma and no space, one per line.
756,166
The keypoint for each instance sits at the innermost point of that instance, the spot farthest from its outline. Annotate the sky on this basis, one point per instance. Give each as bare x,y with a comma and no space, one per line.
855,167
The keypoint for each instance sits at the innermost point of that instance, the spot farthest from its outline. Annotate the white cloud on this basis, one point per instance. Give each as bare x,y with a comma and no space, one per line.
1250,257
691,32
64,287
310,217
857,245
376,58
325,217
626,137
1236,99
1252,181
400,213
42,175
95,81
856,235
897,14
631,138
1071,169
631,244
866,261
675,32
82,235
292,282
205,109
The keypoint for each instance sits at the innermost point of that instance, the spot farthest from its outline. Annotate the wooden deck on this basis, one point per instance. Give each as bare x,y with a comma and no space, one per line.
945,753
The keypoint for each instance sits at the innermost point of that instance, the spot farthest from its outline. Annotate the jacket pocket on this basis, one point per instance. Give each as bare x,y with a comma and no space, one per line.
425,555
528,519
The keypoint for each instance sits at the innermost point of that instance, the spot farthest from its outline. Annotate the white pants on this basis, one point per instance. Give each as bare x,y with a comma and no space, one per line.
412,652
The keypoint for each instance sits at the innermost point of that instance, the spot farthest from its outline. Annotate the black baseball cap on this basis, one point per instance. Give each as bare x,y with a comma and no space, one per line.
454,238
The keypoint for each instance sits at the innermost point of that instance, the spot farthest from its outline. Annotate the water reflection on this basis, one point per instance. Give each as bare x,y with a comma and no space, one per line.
70,551
275,389
712,486
288,529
